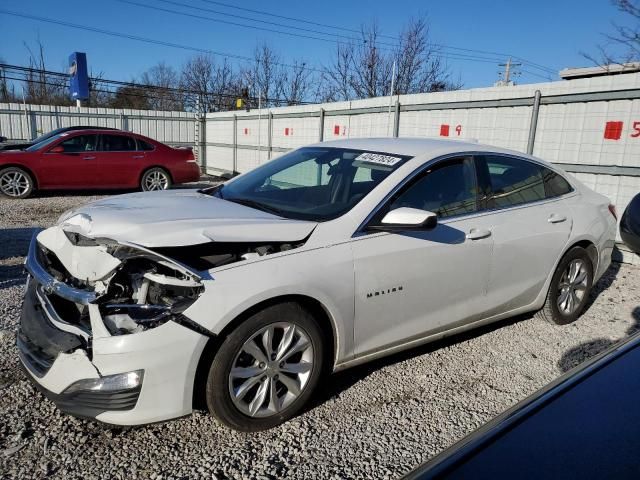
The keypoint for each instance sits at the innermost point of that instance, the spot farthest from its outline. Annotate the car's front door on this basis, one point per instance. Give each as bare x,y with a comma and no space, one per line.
75,166
413,283
119,161
531,225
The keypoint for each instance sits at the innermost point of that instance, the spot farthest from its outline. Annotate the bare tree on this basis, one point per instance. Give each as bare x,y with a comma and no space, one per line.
40,87
164,80
623,45
364,69
295,82
211,87
264,77
419,66
131,97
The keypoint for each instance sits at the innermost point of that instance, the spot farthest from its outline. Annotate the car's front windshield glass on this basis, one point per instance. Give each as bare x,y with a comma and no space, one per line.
47,135
313,183
46,141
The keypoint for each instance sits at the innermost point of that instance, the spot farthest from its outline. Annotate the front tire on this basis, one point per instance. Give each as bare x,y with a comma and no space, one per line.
569,289
267,369
154,179
15,183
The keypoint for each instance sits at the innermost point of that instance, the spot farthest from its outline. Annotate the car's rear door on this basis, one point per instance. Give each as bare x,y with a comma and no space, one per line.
119,160
412,283
74,167
531,224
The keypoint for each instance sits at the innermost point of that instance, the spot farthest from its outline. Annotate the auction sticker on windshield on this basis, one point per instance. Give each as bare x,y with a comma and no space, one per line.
378,158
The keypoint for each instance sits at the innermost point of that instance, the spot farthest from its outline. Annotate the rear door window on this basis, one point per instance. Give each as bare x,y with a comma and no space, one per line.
117,143
513,181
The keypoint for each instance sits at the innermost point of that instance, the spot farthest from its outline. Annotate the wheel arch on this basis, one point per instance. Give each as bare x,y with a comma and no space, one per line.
26,169
315,307
589,246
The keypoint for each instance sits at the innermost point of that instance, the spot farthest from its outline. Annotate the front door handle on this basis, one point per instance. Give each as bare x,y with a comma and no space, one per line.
555,218
138,156
477,234
89,158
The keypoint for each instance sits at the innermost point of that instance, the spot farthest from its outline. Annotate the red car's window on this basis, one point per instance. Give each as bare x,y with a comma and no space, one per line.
118,143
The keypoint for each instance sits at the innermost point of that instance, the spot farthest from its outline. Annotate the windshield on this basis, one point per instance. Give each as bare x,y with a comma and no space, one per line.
52,133
315,184
46,141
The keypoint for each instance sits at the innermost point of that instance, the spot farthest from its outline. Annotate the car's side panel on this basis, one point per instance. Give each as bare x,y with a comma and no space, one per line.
62,170
527,246
323,274
409,284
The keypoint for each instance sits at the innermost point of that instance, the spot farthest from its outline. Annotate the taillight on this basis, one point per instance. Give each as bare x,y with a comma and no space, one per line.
612,210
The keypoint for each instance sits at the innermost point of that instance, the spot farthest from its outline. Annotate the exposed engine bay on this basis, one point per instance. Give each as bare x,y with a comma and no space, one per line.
136,288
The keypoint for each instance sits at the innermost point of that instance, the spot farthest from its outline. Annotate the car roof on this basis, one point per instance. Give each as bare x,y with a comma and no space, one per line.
414,146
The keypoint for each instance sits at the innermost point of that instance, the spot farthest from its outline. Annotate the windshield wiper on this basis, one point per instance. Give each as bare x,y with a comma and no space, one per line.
247,202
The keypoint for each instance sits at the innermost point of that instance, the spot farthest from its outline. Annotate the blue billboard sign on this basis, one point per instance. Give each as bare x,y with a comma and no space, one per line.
78,76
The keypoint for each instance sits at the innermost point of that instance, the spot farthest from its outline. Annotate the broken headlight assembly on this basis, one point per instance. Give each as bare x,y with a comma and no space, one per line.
146,291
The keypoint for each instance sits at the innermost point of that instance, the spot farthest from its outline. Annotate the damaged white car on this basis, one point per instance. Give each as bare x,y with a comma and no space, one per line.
242,295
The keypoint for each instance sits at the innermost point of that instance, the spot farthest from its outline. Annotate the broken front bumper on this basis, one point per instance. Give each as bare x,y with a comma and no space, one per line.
70,357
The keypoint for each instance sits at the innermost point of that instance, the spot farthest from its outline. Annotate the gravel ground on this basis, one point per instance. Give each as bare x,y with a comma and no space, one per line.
375,421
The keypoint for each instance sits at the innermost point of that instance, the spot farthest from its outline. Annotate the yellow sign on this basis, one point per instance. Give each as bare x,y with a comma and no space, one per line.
239,103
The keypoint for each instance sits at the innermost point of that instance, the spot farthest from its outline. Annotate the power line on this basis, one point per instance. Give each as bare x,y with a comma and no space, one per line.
446,55
145,39
309,22
266,22
444,46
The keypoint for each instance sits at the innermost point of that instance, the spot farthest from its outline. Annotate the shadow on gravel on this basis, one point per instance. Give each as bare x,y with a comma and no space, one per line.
603,284
576,355
333,385
14,243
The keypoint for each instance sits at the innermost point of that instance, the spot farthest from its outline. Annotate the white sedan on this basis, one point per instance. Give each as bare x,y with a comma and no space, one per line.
243,295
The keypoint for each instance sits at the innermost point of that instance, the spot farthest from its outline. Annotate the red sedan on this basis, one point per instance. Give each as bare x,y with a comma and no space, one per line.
88,159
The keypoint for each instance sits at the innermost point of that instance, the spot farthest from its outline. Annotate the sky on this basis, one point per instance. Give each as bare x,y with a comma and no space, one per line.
550,34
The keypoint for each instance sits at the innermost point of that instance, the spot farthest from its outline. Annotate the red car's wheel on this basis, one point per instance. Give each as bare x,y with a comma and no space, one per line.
155,179
15,183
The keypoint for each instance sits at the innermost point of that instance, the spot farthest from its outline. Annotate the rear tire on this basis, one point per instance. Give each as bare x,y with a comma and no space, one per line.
569,289
155,179
15,183
266,369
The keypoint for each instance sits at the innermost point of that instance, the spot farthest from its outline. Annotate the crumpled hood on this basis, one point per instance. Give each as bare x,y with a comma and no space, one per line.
180,218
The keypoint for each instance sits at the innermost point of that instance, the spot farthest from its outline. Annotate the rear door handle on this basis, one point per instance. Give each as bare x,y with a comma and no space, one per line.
88,158
138,156
555,218
477,234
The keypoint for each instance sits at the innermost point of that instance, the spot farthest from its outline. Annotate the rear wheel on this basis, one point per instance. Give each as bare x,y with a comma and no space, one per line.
266,370
15,183
155,179
569,289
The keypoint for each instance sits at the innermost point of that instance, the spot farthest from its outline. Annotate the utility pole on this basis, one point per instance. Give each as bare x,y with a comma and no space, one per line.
508,72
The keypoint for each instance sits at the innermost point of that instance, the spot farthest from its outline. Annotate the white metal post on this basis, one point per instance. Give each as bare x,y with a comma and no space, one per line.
393,78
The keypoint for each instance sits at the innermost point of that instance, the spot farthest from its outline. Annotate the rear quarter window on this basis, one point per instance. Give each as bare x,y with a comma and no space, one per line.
554,184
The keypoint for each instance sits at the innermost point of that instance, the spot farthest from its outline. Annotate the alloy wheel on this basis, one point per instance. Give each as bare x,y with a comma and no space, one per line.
156,180
14,183
271,370
573,286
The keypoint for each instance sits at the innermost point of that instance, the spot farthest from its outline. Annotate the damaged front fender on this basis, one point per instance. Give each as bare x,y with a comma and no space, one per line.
128,287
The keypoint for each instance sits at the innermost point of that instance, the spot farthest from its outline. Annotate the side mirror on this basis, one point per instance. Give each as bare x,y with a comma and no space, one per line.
405,218
57,149
3,139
